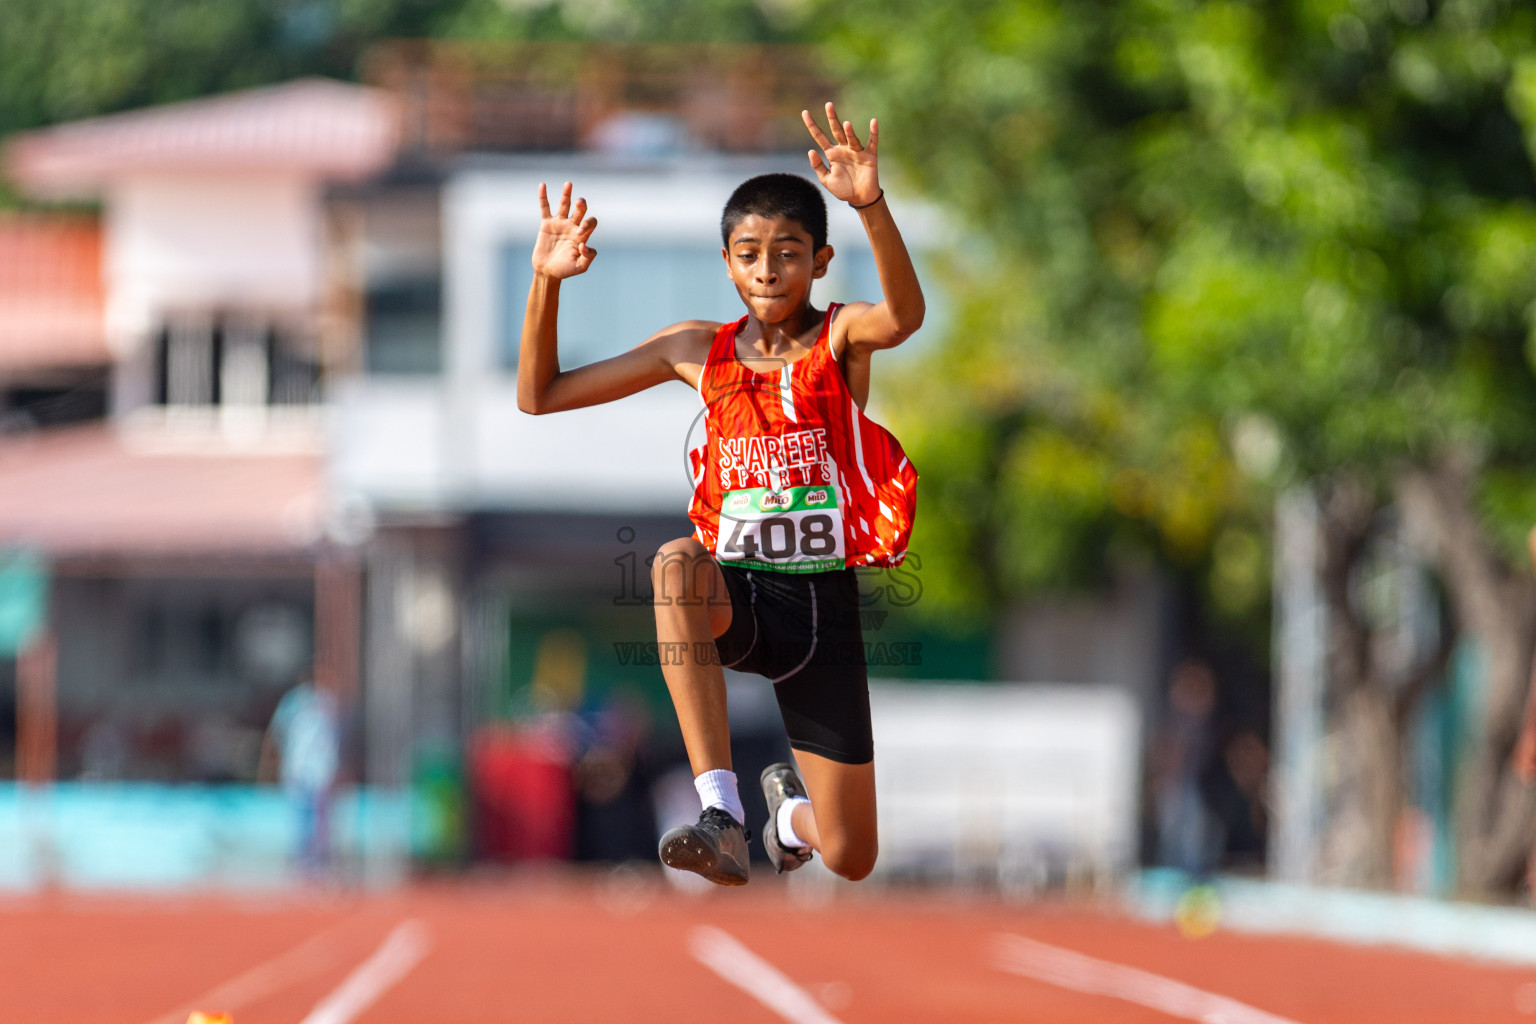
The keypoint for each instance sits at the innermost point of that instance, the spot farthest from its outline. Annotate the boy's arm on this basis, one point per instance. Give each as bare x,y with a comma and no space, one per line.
851,173
561,252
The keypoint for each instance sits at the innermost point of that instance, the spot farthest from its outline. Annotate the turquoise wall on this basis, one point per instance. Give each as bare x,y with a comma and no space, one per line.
153,836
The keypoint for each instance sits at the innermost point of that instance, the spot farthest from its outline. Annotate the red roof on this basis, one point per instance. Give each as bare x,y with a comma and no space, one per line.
312,125
84,491
52,301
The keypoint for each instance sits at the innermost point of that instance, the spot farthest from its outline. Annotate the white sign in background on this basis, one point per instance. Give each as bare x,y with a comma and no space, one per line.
1028,781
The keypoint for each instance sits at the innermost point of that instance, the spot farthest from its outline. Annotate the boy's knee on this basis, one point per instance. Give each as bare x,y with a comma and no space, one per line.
681,551
853,861
675,570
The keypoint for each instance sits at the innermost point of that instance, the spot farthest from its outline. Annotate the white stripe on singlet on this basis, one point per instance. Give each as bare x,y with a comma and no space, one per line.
858,445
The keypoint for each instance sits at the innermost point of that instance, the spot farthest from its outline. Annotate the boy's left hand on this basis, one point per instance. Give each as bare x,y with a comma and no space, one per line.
850,171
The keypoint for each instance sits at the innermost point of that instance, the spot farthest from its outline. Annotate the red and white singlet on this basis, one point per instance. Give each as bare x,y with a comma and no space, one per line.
792,476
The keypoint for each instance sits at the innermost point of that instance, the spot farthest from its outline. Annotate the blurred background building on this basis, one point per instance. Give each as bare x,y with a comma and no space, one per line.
258,397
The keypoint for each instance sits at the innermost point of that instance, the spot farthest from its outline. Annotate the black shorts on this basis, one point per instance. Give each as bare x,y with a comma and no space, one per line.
801,631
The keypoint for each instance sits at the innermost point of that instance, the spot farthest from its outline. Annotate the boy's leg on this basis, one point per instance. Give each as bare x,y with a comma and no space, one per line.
691,610
824,701
839,822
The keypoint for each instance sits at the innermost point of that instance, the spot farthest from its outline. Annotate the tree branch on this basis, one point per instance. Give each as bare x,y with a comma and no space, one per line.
1424,677
1348,509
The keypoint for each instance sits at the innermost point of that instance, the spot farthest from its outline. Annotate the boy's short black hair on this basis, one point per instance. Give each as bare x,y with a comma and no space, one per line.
777,195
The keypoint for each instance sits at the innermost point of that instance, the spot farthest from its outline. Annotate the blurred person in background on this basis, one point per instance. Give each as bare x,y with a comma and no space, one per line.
220,750
305,741
612,777
105,749
1188,835
1237,794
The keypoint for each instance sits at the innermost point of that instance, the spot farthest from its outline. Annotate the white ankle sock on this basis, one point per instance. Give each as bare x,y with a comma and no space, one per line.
717,788
786,823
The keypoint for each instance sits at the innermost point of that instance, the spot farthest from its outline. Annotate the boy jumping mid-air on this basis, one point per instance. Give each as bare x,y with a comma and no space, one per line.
793,488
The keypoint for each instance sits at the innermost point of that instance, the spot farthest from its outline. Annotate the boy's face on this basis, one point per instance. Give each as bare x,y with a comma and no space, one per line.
772,264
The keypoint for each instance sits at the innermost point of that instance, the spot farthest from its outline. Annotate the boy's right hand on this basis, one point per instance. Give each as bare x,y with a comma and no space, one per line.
561,249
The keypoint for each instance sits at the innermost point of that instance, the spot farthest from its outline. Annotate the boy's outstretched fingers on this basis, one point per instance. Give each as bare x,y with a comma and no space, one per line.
846,167
842,131
544,204
817,135
835,124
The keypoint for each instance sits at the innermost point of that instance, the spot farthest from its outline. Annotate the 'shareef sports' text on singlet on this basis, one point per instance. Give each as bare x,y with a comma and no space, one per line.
792,476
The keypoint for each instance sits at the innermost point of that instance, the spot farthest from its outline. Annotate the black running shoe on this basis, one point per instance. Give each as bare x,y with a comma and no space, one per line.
716,848
780,782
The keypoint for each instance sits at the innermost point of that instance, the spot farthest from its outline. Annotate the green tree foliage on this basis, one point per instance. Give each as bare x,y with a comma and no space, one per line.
1214,248
66,59
1295,236
650,21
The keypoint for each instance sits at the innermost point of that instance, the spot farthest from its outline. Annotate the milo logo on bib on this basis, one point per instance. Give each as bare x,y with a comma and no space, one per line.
798,529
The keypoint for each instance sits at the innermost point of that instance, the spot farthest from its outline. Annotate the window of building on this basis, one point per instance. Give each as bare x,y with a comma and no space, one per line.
200,361
631,291
404,318
76,397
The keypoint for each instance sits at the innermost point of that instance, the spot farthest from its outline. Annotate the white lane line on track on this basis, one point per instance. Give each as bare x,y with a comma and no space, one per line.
308,958
737,964
402,949
1068,969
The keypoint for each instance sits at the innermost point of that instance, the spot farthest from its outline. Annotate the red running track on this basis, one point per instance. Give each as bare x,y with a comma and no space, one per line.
628,949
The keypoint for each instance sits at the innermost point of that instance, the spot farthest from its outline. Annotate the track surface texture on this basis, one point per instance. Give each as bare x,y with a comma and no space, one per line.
626,948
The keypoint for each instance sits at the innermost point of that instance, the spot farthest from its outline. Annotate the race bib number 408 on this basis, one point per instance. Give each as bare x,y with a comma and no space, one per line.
798,529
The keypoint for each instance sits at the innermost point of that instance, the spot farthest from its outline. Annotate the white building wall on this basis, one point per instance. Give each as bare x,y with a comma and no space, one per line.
394,443
178,241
